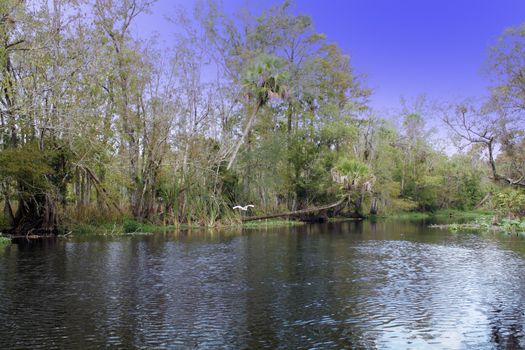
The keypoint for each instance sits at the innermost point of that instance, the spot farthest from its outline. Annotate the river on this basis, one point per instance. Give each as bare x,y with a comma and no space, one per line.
385,285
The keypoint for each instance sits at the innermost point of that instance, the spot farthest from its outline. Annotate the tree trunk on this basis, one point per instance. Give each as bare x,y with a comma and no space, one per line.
298,212
484,200
35,215
289,116
85,191
247,129
497,177
8,212
492,161
373,207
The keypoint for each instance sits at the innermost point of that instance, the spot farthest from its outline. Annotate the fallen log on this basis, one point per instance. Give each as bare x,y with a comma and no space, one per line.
296,212
30,237
485,199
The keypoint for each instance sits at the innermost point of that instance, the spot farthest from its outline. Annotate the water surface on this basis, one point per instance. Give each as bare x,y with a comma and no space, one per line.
387,285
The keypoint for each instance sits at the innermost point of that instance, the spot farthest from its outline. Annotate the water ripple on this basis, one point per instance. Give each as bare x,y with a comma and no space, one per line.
316,287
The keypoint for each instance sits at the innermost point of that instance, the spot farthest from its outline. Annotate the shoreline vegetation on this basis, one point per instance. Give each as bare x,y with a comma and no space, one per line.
131,227
482,221
135,228
505,226
440,214
102,130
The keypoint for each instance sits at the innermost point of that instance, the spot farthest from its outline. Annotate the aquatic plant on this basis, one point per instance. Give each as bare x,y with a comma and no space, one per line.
454,227
510,225
4,240
484,222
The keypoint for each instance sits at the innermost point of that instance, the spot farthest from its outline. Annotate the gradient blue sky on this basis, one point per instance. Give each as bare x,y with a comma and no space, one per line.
404,47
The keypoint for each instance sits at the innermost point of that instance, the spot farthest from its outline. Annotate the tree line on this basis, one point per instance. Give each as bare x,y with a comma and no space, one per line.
98,124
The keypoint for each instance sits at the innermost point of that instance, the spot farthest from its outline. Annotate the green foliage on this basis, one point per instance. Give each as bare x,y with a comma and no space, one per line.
307,177
265,78
338,132
156,138
355,170
410,216
130,226
27,165
84,229
403,205
511,225
460,186
271,223
509,202
4,222
454,227
4,240
230,182
484,222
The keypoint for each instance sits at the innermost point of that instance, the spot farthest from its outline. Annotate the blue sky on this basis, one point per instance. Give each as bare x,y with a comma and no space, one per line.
404,47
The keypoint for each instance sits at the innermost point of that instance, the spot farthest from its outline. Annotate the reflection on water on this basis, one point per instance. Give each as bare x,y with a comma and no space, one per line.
347,285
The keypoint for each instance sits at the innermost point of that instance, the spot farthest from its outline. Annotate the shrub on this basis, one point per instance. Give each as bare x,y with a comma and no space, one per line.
509,203
131,226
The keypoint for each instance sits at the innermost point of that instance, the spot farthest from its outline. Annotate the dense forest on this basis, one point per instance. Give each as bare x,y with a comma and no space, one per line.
98,124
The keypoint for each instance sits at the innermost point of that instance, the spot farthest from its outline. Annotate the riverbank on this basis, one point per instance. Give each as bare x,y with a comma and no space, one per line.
132,227
129,227
483,224
440,214
473,220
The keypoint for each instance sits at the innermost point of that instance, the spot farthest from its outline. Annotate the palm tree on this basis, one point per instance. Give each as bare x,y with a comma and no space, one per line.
353,175
263,80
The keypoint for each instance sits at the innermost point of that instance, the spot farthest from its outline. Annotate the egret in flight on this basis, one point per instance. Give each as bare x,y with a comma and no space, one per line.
245,207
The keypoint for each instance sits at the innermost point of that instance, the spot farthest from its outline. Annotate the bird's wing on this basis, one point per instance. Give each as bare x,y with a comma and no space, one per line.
251,205
237,207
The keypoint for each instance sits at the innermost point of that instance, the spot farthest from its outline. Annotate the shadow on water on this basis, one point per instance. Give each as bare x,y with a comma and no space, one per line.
383,284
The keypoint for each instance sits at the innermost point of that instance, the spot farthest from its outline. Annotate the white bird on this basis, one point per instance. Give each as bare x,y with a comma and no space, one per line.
245,207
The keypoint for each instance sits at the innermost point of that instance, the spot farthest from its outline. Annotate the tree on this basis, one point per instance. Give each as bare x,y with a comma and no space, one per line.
137,99
505,110
98,124
262,81
507,68
479,125
39,69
